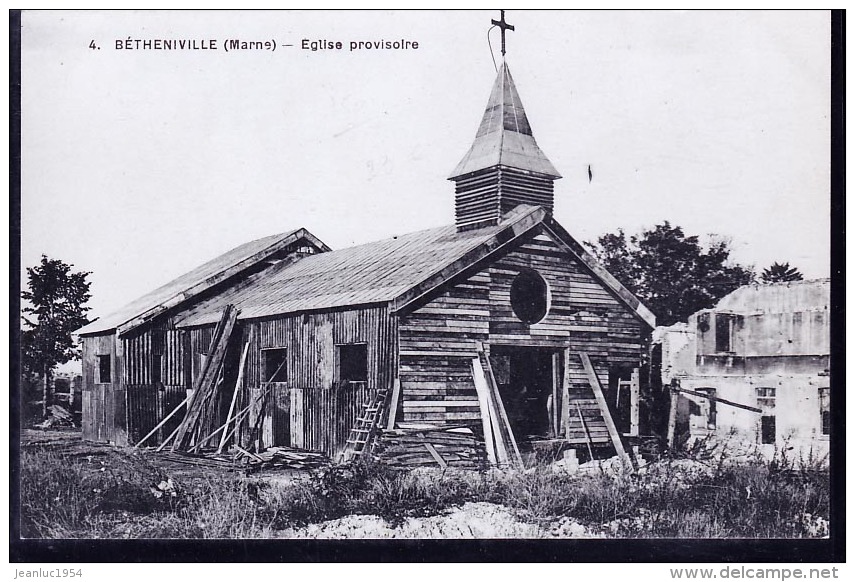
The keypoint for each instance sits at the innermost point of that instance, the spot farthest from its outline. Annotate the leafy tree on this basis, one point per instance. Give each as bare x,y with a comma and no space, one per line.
671,273
56,306
780,273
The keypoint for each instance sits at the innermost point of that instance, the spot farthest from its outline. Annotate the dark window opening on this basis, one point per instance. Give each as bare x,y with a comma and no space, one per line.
104,370
275,364
767,430
825,410
524,377
529,297
353,363
723,326
156,370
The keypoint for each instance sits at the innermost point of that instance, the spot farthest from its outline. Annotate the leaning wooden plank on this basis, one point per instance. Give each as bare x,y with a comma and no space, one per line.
393,406
207,384
437,457
594,381
162,422
499,439
238,386
239,416
167,440
484,404
507,431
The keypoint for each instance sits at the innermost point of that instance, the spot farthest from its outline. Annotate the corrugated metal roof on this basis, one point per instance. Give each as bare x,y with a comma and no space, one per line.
504,137
199,275
369,273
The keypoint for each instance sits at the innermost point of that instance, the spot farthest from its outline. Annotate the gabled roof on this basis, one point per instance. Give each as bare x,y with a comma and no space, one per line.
376,272
198,280
397,271
504,137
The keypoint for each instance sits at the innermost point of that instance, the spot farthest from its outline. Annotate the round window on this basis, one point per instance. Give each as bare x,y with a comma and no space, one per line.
529,296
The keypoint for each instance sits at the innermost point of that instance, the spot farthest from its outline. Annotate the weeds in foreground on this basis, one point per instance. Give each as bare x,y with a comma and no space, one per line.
68,497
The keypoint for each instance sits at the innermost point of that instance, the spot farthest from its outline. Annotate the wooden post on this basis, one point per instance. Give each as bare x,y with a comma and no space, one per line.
672,415
565,394
604,409
634,392
555,413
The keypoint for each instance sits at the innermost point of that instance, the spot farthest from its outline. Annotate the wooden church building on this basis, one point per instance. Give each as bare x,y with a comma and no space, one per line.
500,326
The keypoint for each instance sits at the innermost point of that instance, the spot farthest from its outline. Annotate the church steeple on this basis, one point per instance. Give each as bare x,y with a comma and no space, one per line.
504,167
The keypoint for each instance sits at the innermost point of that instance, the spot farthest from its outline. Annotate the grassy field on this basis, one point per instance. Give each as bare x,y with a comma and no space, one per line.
123,495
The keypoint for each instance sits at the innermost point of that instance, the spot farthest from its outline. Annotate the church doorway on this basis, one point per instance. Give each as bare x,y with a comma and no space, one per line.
525,378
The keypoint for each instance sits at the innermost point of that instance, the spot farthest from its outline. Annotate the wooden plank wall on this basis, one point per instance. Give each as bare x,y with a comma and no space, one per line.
309,411
438,338
104,413
437,345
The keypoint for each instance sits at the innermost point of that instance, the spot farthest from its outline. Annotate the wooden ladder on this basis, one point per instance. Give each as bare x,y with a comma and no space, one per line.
365,427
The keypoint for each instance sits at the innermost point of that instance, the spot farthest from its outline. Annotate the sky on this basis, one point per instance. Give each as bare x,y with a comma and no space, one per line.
139,165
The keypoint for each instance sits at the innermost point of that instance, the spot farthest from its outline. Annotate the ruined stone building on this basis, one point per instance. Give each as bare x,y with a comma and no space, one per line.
765,347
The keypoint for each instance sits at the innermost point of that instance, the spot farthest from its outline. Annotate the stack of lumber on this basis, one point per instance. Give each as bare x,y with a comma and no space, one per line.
285,457
238,458
438,447
206,460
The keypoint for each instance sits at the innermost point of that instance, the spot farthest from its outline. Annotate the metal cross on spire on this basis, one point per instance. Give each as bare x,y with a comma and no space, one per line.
504,26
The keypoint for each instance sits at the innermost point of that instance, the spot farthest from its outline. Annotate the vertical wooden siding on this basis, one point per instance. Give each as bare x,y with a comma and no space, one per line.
104,417
140,348
309,410
147,402
147,405
438,338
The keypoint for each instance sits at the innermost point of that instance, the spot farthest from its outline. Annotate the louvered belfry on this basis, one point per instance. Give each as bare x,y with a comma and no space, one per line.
504,167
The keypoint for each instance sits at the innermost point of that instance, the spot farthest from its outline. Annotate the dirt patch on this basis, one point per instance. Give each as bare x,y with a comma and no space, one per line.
473,520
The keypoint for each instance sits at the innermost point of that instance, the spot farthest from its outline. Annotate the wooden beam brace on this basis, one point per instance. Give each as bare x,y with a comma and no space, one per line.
162,422
717,399
594,381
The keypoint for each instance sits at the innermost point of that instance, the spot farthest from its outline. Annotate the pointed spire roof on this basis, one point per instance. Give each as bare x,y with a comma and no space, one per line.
504,137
